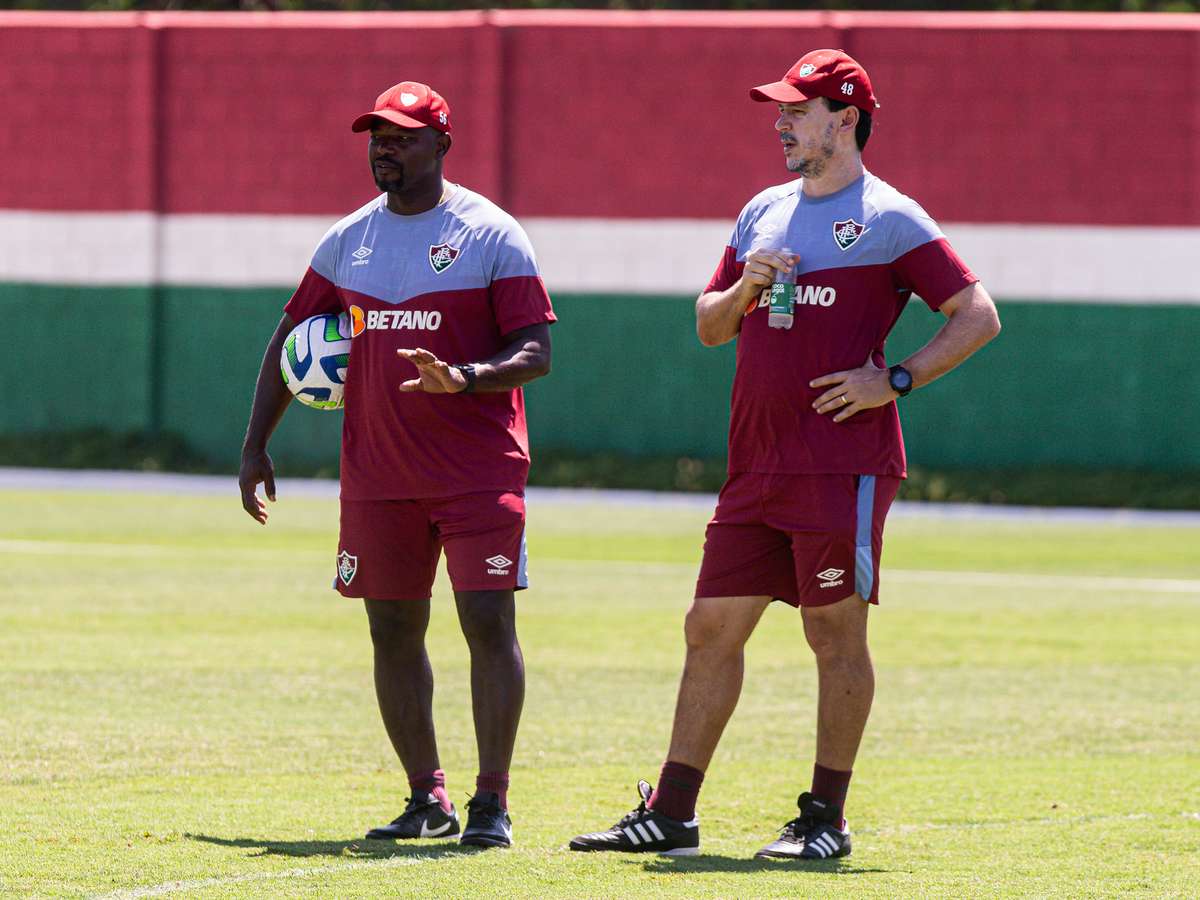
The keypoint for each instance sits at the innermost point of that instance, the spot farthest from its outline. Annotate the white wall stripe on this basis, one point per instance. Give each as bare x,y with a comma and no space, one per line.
659,256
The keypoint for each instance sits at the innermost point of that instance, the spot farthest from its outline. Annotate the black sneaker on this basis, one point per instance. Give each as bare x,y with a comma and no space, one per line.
645,831
423,817
488,823
819,832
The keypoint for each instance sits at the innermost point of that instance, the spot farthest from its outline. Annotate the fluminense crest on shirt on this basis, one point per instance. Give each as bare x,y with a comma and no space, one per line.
442,257
847,232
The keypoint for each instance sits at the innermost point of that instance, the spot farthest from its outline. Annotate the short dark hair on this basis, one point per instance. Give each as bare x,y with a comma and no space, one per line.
862,131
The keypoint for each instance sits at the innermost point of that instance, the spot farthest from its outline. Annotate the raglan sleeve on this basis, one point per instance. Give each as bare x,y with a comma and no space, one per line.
729,269
317,292
518,294
923,261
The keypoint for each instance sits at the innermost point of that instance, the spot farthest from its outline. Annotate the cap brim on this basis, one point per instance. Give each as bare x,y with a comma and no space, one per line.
778,92
366,120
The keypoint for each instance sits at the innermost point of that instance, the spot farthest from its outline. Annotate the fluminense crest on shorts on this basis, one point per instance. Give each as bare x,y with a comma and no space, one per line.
442,257
847,233
347,566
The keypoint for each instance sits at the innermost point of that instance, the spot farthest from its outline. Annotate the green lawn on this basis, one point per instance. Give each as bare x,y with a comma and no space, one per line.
186,709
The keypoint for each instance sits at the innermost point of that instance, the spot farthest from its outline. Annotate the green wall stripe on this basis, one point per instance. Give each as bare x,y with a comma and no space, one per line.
1064,384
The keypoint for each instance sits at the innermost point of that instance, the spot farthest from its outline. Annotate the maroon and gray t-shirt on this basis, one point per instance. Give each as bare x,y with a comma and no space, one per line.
454,280
863,251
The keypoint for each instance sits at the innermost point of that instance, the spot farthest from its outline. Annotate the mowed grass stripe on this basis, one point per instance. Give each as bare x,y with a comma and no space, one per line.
625,567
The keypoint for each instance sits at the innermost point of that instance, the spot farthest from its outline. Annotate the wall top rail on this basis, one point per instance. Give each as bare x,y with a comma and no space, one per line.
981,21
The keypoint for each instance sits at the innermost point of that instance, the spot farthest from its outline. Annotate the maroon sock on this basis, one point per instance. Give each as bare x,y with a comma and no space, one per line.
432,782
493,783
830,785
678,788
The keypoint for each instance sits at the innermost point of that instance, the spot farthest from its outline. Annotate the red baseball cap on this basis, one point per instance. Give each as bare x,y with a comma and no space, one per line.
410,104
821,73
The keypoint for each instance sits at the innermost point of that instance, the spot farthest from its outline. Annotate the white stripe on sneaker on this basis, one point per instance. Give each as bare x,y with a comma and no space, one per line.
643,832
658,835
632,837
826,844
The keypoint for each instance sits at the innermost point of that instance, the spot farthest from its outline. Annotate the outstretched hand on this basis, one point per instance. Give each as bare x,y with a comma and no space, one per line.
257,468
433,375
853,390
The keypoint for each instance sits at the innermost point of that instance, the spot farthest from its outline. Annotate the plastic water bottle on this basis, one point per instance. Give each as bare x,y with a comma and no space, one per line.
782,305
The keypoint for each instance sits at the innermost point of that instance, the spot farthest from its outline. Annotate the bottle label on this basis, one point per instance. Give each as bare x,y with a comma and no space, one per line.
781,305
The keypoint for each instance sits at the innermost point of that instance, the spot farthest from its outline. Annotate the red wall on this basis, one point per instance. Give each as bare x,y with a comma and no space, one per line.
1053,118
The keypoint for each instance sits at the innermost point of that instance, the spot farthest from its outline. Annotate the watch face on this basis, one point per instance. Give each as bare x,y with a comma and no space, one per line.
901,380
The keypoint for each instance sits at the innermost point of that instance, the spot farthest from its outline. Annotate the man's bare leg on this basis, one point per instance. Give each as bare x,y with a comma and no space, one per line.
489,623
716,630
837,635
404,680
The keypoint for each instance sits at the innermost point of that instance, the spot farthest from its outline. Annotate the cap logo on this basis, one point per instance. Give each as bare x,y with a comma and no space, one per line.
847,88
806,69
408,99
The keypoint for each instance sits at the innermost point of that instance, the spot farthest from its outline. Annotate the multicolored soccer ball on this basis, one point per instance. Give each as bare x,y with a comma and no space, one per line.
315,358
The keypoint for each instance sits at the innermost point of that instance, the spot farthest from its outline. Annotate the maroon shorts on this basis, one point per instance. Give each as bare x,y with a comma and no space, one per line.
389,549
808,540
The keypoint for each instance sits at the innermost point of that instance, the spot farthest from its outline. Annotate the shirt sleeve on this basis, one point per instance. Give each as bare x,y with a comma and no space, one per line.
317,293
729,270
933,271
923,261
518,294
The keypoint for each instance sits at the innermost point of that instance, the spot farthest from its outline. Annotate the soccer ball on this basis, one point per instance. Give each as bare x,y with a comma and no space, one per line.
314,360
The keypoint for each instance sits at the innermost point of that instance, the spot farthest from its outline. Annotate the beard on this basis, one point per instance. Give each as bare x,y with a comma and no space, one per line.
815,165
393,182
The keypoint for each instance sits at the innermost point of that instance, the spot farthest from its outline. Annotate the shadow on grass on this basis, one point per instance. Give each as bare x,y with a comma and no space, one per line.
360,849
715,863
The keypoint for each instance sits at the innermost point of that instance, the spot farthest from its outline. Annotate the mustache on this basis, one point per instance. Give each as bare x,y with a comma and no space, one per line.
389,178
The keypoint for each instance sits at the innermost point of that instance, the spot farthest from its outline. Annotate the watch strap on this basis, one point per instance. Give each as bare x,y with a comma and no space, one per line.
468,372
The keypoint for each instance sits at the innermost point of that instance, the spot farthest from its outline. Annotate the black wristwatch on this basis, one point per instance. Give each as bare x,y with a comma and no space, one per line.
900,379
468,371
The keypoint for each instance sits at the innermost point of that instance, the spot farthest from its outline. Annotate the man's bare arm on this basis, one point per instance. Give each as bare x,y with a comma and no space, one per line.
971,321
271,397
524,357
719,314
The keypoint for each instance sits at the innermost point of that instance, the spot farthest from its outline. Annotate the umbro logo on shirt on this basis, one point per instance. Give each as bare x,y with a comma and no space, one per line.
360,256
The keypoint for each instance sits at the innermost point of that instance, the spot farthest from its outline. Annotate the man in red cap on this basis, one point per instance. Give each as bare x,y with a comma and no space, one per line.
449,318
816,273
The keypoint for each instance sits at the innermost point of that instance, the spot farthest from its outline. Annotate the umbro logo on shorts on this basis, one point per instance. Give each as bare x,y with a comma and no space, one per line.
499,565
831,577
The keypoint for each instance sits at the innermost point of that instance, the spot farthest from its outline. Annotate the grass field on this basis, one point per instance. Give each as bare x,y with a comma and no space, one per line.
186,709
